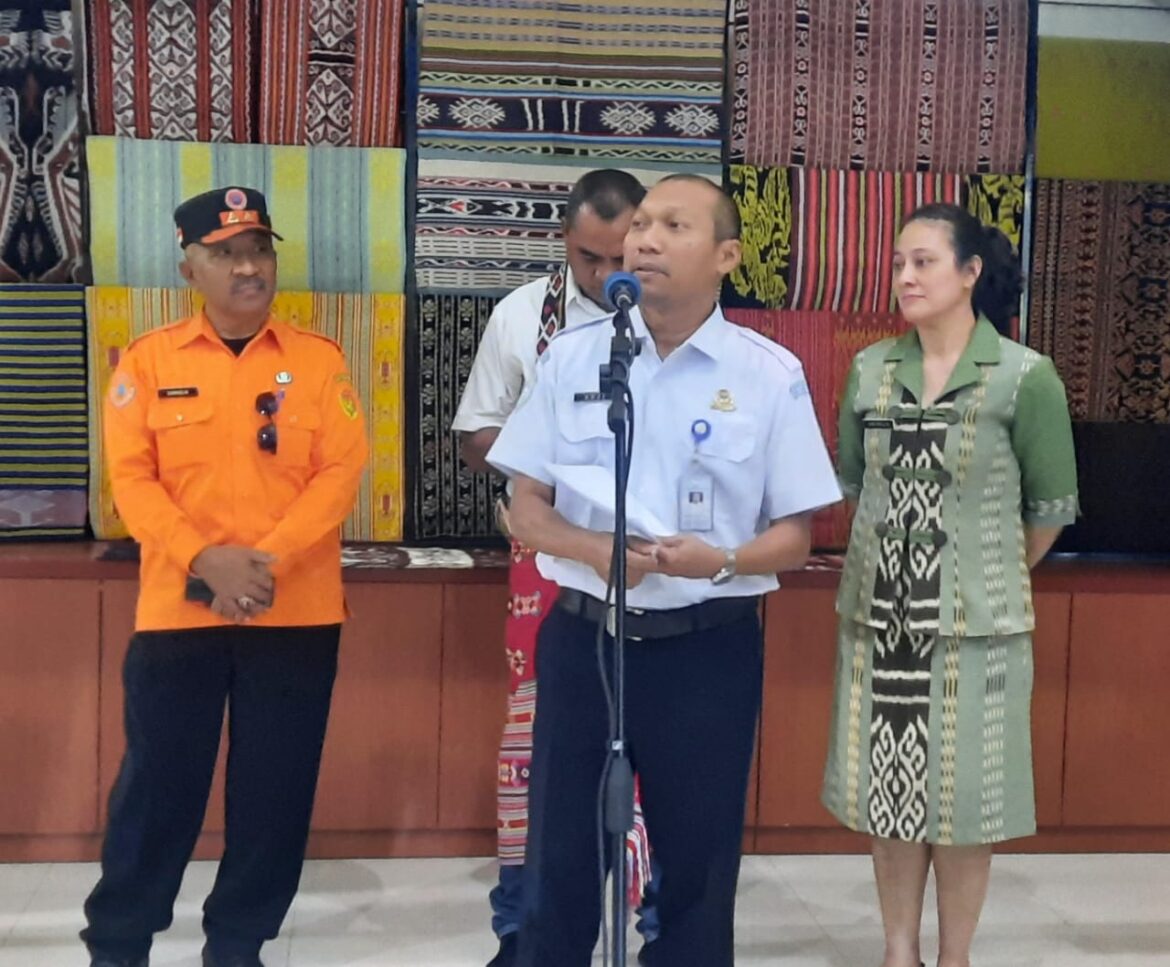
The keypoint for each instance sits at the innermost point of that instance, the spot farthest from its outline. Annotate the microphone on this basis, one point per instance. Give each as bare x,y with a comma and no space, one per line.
622,291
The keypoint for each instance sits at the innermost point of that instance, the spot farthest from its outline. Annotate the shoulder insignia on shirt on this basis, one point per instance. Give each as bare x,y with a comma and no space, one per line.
348,402
156,333
785,357
121,391
798,389
315,335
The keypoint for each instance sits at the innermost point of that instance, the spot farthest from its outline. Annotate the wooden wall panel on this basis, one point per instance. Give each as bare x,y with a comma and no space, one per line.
800,635
49,676
410,762
380,768
1117,767
1050,645
474,703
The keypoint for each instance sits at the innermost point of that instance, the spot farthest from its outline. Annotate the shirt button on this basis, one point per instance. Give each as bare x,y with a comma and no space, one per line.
178,417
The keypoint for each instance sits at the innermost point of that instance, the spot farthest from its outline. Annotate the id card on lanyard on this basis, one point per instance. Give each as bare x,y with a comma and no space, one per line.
696,496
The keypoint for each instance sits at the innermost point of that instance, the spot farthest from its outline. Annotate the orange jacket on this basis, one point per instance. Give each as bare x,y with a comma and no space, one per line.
187,471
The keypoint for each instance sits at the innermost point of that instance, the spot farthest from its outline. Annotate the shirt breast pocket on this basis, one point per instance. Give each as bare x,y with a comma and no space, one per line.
732,440
295,429
182,432
738,486
583,433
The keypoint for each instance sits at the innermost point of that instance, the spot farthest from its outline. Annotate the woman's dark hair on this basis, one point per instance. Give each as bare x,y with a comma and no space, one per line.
997,291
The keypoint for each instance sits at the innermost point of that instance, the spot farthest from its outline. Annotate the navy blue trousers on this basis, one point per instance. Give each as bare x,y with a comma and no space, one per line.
692,704
277,683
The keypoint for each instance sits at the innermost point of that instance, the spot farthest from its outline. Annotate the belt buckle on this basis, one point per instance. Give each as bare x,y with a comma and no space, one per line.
611,621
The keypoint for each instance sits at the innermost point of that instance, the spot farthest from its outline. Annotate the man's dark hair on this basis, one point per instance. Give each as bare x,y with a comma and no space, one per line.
608,192
728,225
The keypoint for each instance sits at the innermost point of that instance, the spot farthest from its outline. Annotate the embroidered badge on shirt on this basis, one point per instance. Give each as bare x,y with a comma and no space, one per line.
348,403
122,392
723,402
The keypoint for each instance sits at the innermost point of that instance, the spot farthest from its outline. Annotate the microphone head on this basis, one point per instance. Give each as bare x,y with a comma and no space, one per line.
622,290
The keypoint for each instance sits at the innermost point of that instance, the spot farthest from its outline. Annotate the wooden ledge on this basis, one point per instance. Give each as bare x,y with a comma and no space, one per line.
365,563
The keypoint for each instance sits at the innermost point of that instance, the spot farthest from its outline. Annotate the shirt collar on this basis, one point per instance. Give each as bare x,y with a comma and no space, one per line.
709,339
574,296
982,350
199,326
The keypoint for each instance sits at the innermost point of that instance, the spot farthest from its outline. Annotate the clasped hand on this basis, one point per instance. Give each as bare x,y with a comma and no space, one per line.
683,556
239,576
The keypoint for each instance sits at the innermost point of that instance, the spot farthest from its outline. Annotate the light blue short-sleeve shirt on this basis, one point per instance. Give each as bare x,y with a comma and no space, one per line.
757,443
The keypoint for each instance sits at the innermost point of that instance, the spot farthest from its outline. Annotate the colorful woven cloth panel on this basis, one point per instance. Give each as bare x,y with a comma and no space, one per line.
1101,110
176,70
340,210
609,79
824,240
847,225
825,342
40,149
330,72
997,200
489,226
1100,296
447,500
764,199
899,85
370,330
43,462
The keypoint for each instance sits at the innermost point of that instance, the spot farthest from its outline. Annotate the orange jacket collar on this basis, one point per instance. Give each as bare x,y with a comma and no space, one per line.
199,325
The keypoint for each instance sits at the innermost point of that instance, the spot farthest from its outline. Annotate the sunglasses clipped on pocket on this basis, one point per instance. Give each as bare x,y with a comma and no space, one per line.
267,405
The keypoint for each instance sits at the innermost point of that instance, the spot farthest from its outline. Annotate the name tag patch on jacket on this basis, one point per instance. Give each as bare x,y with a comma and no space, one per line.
177,392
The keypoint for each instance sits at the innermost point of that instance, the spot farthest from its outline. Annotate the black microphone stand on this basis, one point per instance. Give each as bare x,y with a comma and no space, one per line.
619,791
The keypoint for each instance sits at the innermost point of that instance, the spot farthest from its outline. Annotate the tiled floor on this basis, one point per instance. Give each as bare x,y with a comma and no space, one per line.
1044,911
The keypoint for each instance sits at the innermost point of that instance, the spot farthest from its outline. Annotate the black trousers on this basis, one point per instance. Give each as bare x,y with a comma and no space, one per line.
278,683
692,703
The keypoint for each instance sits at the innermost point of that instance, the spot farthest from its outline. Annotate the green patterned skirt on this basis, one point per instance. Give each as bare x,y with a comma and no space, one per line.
931,737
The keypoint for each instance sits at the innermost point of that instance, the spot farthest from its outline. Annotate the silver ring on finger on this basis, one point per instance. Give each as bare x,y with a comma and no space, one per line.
245,602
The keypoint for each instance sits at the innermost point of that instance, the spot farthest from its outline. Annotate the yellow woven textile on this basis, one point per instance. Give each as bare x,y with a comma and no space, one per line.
370,330
1101,111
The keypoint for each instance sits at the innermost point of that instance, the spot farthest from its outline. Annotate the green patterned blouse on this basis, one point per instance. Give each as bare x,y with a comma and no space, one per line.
1002,461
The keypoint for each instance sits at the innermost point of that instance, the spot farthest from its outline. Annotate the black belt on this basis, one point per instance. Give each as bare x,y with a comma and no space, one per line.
660,624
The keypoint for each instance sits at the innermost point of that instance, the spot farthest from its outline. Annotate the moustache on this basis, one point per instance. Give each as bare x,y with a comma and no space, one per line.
249,285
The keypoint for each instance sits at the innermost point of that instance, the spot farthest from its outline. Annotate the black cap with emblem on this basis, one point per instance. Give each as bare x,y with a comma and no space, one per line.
221,213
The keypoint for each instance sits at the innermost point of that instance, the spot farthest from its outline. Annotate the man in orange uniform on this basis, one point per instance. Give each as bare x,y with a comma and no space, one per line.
235,444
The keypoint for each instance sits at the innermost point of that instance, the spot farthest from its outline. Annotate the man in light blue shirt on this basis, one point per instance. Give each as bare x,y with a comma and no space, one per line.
728,457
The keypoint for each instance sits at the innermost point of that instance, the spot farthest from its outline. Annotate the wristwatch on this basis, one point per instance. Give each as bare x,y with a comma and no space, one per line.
727,572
